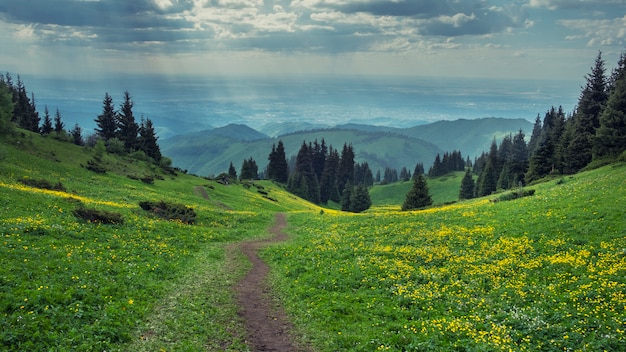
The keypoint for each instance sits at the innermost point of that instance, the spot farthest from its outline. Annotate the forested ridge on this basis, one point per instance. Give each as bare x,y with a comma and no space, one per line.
560,143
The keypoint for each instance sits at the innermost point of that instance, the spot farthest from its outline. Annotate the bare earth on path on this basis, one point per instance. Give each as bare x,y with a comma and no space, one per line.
267,326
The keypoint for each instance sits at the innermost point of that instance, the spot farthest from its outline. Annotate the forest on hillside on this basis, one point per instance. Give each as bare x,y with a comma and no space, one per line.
560,143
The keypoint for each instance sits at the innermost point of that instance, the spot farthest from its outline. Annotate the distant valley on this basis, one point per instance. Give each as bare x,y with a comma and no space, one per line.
210,152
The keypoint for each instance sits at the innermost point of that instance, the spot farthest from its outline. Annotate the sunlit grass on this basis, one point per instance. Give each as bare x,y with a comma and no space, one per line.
544,272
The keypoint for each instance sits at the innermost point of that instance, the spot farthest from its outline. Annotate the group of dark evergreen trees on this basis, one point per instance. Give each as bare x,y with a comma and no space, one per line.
321,174
121,133
594,133
117,129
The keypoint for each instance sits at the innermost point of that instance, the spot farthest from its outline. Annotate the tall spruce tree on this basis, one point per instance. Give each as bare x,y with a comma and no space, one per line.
418,196
249,170
346,167
127,128
587,117
46,125
58,123
303,181
106,124
148,141
467,186
610,138
488,179
232,172
6,109
277,168
328,182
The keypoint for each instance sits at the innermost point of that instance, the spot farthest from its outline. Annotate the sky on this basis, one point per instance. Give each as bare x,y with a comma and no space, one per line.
516,39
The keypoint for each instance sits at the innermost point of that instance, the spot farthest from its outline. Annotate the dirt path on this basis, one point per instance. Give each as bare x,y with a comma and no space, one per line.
267,325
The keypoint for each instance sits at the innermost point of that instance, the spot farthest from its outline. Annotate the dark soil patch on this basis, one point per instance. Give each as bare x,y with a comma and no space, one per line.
266,324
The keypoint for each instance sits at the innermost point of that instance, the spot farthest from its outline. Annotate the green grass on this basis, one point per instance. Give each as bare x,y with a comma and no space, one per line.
146,284
444,189
545,272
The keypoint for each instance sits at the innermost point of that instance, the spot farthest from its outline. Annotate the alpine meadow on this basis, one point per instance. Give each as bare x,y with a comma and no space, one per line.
109,245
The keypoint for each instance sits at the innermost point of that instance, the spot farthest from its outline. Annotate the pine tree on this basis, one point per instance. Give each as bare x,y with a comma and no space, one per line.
519,159
6,109
418,196
535,135
77,136
488,179
278,169
587,118
418,170
46,126
232,172
249,170
346,167
147,141
106,125
127,128
58,124
346,197
360,199
610,138
467,186
303,181
319,153
328,182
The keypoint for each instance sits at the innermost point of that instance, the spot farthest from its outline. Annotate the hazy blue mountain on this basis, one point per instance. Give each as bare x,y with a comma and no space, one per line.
471,137
210,152
275,129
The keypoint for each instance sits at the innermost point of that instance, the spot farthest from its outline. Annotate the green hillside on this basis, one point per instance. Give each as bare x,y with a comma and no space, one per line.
544,272
207,154
540,273
70,284
443,190
211,152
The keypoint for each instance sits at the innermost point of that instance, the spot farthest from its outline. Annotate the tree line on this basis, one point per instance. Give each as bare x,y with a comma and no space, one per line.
117,129
592,135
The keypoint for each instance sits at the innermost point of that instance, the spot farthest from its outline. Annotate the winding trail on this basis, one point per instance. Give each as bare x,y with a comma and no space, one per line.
267,326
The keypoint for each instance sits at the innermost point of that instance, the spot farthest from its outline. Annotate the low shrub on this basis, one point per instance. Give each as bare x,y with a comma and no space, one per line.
170,211
515,195
98,216
43,184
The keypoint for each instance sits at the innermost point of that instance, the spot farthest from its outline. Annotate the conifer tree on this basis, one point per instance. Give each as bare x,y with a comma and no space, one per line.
418,196
488,179
519,159
6,109
232,172
106,125
147,141
303,181
587,118
58,124
278,169
535,135
249,170
46,126
319,153
360,199
346,197
467,186
77,135
127,128
610,138
418,170
328,182
346,167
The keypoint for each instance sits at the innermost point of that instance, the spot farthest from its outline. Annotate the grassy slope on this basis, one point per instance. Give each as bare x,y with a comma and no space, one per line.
488,271
66,284
545,272
443,190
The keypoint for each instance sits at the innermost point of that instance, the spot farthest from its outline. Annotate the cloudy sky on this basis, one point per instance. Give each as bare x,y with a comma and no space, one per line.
540,39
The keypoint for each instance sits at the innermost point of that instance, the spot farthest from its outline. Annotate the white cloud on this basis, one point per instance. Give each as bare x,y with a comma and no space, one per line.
598,32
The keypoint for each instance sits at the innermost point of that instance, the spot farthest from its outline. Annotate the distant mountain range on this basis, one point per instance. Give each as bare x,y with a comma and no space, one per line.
210,152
